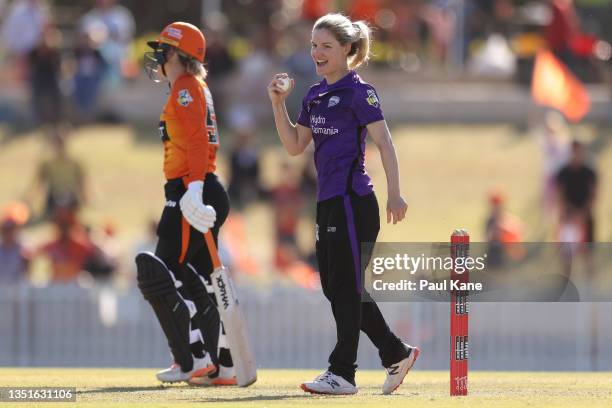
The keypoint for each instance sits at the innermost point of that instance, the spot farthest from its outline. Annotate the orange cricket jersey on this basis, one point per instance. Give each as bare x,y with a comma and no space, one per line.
188,128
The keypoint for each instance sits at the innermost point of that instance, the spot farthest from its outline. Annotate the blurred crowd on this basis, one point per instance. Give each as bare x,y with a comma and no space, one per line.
64,70
568,198
72,53
69,55
71,247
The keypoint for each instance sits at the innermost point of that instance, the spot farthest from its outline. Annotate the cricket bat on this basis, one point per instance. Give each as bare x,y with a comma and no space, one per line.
232,318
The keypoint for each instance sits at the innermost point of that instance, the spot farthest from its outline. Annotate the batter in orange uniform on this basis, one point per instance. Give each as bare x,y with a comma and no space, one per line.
173,279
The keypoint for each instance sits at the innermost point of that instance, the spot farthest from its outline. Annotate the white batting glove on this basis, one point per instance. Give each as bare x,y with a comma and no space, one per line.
199,216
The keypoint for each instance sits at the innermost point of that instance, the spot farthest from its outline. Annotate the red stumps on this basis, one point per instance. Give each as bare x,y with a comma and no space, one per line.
460,242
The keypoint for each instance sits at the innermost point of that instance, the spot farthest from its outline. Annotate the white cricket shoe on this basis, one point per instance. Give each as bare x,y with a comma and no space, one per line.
225,376
201,367
329,383
396,372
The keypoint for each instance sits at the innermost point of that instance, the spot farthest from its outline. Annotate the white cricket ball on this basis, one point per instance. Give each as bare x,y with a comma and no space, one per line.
285,84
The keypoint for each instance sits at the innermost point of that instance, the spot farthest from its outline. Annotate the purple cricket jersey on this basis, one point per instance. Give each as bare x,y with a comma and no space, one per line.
337,115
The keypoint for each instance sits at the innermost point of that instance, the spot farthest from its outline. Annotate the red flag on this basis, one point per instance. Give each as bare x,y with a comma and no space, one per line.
554,85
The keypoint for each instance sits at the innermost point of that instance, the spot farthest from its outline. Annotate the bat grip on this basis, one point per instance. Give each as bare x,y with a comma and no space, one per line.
212,249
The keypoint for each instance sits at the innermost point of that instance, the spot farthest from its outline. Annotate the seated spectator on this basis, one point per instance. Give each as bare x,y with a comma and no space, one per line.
70,250
73,250
14,258
104,261
504,232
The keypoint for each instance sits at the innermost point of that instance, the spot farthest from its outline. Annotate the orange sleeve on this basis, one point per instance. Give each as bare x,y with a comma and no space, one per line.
190,107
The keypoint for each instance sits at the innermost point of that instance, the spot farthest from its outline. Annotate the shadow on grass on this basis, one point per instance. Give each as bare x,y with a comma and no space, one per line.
109,390
253,398
259,398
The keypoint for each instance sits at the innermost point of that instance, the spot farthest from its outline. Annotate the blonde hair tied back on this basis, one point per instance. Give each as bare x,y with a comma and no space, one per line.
357,33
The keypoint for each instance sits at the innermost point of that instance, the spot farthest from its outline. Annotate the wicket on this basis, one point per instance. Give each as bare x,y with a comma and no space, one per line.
459,316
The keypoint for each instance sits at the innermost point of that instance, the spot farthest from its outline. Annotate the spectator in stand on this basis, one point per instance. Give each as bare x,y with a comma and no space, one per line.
308,190
70,249
573,47
220,64
287,203
14,258
440,20
576,184
114,24
562,28
16,40
313,9
255,69
104,260
308,183
555,147
73,249
504,232
62,178
45,62
365,10
89,69
298,65
244,185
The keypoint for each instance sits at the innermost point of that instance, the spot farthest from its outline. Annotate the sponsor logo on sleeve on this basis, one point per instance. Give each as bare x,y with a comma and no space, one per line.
184,98
372,98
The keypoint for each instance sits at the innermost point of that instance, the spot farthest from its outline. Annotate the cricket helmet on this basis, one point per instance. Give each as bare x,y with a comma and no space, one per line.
186,37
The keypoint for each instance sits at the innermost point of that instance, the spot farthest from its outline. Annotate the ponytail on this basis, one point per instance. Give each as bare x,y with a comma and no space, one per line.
360,49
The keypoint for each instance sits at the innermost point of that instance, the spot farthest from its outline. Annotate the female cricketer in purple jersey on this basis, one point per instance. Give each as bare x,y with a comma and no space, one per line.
337,113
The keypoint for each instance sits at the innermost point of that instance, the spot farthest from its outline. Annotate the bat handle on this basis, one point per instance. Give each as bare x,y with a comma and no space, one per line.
212,249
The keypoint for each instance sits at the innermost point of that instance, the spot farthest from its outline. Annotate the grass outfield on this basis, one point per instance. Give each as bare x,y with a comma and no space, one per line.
138,388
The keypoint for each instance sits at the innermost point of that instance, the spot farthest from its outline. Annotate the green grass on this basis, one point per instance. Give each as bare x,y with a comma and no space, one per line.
138,388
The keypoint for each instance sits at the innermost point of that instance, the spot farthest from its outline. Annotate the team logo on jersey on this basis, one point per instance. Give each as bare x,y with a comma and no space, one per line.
333,101
184,98
372,98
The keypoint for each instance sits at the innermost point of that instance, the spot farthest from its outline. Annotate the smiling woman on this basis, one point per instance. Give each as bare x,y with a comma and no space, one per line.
337,114
335,31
